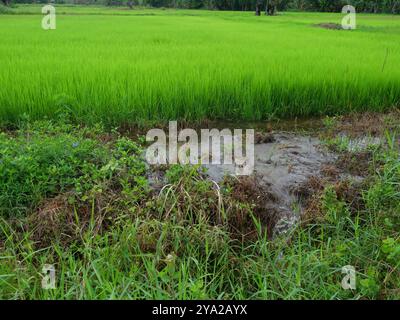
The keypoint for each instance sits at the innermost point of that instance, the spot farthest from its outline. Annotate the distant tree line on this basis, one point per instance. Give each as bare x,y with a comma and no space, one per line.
372,6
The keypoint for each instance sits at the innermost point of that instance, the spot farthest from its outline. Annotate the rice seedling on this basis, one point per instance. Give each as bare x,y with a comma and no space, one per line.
122,66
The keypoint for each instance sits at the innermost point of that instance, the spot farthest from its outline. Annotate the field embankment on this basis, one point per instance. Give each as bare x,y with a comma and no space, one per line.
79,198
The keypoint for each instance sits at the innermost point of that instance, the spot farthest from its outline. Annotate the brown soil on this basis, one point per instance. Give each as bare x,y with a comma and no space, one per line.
356,164
331,26
58,219
310,193
369,123
264,137
261,201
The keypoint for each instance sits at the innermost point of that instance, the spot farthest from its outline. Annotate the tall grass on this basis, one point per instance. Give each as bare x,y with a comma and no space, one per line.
127,66
90,213
197,261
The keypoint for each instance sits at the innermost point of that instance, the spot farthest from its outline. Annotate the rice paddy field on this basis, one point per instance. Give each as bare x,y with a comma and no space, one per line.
78,197
119,65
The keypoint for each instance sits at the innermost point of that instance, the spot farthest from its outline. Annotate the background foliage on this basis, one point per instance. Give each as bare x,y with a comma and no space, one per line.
372,6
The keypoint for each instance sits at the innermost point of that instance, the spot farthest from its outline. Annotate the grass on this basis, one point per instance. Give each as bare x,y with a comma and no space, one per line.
111,238
128,66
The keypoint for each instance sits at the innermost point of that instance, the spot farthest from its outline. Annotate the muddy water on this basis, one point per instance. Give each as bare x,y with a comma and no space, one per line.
282,163
281,166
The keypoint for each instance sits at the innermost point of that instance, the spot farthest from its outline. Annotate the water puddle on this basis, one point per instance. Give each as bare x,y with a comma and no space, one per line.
287,155
281,166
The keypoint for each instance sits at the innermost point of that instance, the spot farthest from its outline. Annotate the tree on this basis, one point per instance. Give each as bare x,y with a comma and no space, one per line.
270,7
6,2
258,8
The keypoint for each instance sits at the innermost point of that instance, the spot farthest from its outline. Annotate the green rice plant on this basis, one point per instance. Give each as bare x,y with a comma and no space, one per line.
122,66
